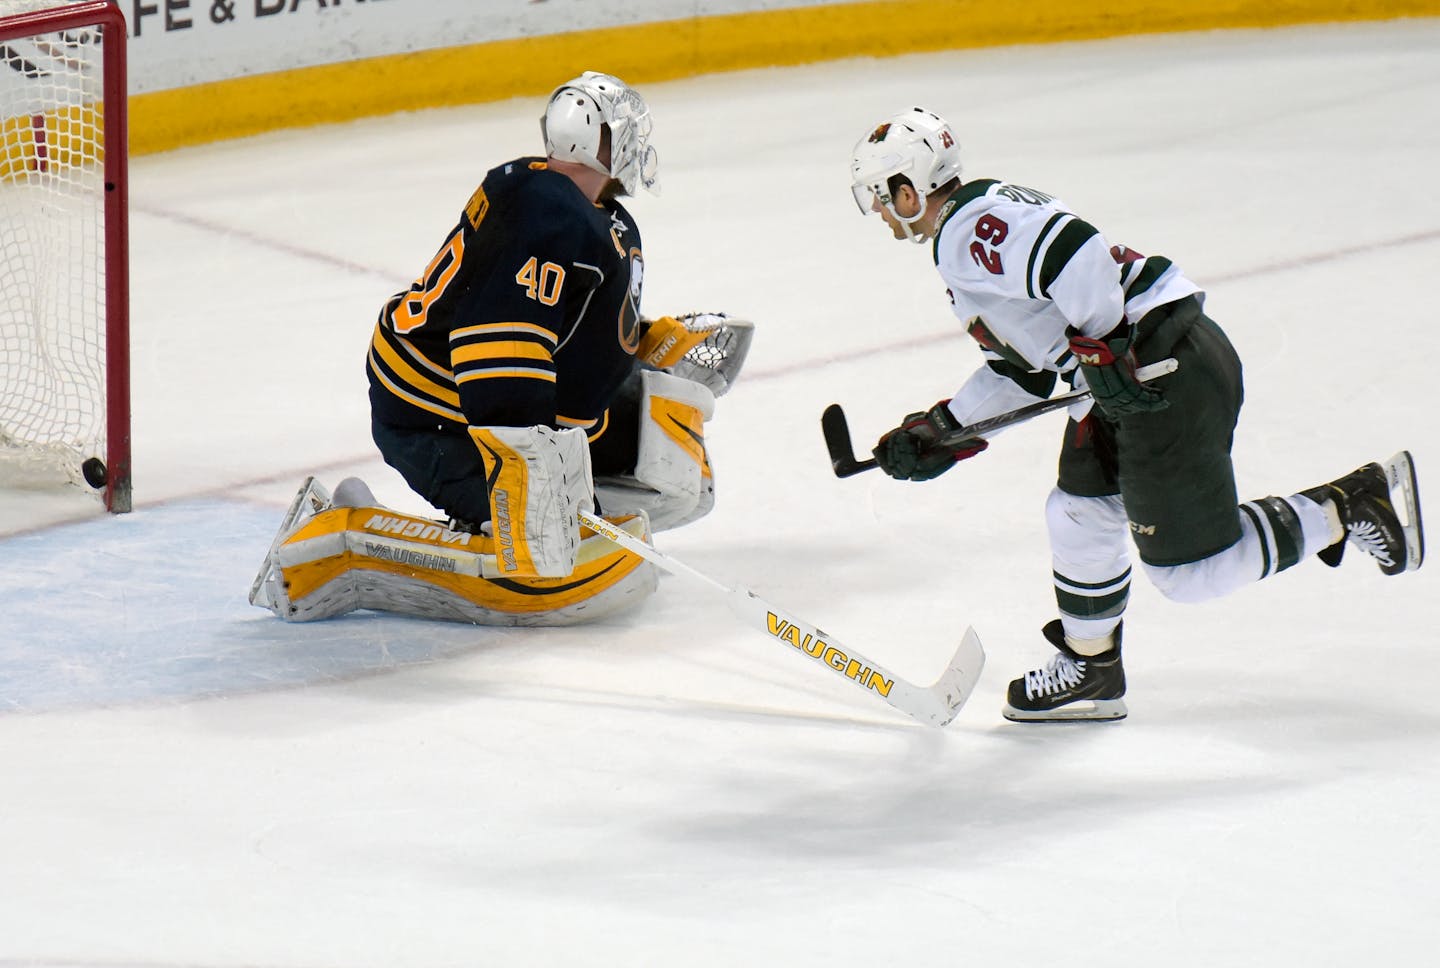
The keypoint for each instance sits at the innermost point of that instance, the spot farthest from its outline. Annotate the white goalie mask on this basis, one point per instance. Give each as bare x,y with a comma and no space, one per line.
573,127
917,144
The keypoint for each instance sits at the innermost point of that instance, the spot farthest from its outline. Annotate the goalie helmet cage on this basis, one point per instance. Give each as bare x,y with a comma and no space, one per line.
64,248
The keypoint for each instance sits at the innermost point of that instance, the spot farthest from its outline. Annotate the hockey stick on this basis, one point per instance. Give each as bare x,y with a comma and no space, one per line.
933,705
842,453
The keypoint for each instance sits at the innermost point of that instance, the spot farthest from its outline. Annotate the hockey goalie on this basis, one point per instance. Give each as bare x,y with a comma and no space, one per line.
515,384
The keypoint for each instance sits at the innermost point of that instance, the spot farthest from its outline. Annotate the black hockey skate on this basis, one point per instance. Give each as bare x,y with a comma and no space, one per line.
1072,687
1369,500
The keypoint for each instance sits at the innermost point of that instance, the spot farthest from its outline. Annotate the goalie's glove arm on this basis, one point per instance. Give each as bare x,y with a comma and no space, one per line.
705,348
917,449
665,341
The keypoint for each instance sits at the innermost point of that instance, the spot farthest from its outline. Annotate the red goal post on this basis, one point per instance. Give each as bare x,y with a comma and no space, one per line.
64,248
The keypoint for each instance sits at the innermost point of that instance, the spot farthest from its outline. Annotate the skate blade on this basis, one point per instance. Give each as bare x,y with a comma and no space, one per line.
1086,710
1405,498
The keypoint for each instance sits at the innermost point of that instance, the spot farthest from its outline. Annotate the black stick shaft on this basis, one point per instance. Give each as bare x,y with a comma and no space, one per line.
842,452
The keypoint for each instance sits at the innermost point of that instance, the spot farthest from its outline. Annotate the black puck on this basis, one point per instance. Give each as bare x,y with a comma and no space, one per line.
95,473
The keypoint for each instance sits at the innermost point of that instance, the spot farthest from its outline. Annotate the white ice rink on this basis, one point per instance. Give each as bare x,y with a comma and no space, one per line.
187,782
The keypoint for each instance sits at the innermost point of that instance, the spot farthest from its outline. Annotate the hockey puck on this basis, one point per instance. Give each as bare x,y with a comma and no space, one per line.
95,473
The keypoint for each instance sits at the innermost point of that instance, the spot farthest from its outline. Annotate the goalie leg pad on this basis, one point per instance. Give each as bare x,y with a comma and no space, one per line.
348,558
537,479
673,482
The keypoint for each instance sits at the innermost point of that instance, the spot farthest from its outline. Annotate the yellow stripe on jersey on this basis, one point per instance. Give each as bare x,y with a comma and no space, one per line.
418,358
488,329
599,432
499,349
409,397
408,374
575,422
482,352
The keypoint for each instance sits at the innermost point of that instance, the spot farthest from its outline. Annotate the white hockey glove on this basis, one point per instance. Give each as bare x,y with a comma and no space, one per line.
707,348
538,478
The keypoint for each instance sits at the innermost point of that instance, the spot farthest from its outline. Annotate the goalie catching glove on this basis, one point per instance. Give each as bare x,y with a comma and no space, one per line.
1109,368
706,348
913,450
537,479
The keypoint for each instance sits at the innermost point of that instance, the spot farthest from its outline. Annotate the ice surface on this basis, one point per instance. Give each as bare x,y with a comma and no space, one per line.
186,781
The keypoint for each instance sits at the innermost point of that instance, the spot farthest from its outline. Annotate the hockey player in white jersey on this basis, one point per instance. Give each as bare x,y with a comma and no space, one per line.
1047,297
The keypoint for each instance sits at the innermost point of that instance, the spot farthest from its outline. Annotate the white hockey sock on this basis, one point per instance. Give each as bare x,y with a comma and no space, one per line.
1089,647
1322,527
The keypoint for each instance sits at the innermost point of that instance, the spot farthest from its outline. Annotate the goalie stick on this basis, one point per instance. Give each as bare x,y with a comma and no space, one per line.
933,705
842,452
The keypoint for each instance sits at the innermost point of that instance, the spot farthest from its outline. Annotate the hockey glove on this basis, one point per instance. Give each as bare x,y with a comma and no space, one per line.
706,348
1109,368
913,452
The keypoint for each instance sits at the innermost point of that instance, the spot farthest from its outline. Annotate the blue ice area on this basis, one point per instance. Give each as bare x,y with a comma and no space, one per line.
152,607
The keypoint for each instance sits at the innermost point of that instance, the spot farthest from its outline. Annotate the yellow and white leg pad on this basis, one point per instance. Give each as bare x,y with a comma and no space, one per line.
673,482
347,558
537,479
310,500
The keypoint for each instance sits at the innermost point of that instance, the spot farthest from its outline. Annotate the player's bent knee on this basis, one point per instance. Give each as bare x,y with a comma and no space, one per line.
1179,583
1206,579
1086,530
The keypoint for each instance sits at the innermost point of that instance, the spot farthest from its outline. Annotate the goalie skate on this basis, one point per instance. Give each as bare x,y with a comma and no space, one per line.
310,500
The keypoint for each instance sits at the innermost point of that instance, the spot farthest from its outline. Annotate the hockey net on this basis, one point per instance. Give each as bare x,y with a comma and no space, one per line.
64,302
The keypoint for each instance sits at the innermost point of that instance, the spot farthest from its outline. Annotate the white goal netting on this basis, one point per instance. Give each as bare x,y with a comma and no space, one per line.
53,408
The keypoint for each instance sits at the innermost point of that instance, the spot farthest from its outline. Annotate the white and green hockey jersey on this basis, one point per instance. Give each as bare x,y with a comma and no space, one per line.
1020,268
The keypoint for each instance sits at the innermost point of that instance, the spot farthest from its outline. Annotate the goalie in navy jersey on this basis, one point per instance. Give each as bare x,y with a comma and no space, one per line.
514,383
1047,297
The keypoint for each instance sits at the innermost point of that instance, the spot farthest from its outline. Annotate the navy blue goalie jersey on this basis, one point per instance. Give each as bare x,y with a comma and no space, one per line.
528,315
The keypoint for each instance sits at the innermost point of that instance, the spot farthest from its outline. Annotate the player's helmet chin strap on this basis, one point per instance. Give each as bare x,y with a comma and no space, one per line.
867,193
905,223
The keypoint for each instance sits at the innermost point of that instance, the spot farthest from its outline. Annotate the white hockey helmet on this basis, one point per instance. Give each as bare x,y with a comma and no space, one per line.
573,124
918,144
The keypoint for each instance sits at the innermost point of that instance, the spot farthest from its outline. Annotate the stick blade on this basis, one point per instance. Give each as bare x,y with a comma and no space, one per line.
837,443
955,685
936,705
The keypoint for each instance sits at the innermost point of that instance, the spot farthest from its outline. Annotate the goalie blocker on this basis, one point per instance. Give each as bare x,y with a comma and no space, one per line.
336,556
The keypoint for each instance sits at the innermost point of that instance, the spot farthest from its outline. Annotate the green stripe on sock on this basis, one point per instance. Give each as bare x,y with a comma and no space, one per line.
1260,532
